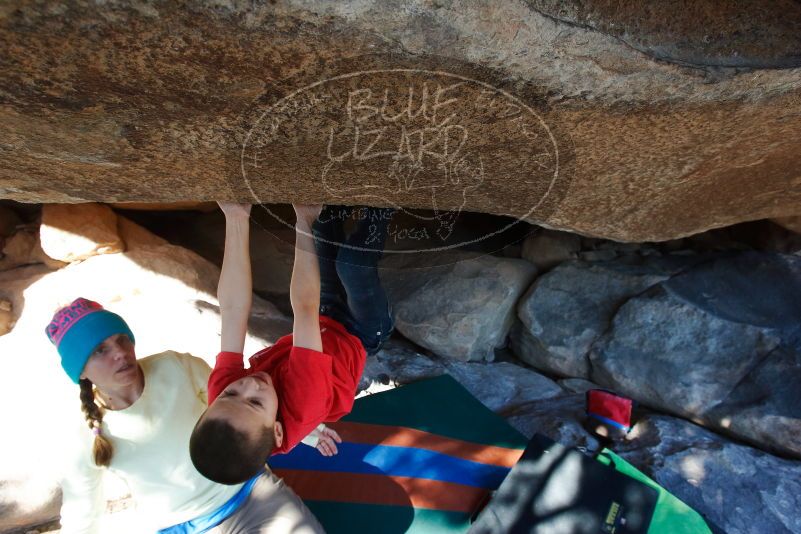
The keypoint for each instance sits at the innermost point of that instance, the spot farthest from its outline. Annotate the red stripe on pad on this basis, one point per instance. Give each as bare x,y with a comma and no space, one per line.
399,436
382,490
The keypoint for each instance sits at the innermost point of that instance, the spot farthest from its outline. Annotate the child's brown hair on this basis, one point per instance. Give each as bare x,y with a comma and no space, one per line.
226,455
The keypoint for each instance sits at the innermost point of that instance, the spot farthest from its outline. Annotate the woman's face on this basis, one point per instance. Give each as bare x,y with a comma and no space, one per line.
112,364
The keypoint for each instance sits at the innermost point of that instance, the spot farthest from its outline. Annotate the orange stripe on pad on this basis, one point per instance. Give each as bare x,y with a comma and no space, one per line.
382,490
409,437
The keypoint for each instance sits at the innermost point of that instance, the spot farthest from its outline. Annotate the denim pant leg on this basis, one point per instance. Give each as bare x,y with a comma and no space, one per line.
328,232
358,271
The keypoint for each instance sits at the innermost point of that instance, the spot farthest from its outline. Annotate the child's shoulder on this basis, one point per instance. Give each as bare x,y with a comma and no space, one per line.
272,354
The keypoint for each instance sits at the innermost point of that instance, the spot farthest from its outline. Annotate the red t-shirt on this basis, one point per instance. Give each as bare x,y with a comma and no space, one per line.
312,387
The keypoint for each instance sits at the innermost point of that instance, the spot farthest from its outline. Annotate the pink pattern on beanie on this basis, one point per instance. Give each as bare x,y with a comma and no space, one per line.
66,317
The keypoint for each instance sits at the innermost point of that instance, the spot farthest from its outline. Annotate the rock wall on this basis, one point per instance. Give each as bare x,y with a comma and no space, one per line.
631,123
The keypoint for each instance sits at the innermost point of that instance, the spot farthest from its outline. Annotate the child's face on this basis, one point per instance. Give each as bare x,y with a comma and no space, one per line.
249,404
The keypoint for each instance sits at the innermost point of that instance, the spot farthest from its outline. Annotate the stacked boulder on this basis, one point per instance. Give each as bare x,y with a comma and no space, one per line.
713,338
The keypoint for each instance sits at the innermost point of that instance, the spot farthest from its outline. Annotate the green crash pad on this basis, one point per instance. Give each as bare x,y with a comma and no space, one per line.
419,458
671,515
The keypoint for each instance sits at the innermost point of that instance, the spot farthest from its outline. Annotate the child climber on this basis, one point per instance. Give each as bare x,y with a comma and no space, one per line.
341,314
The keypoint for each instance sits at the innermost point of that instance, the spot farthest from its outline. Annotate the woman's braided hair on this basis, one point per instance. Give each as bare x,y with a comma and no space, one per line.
102,448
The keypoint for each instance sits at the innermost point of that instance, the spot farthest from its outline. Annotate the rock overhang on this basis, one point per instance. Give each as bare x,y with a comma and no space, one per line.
562,117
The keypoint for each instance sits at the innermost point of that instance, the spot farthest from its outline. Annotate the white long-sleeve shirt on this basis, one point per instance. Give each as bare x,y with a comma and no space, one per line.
151,452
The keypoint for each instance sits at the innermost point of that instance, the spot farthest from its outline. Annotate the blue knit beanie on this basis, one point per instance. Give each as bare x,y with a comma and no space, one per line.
76,330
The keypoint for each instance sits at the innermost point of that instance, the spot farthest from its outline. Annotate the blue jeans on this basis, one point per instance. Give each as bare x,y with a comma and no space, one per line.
350,289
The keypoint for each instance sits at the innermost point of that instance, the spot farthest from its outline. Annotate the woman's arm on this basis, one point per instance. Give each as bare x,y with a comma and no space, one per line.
82,501
304,289
235,289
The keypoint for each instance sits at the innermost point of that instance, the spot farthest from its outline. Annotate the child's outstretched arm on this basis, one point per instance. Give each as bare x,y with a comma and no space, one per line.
304,289
235,289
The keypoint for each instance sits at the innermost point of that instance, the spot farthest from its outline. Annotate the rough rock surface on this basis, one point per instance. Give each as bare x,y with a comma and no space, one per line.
6,317
559,418
765,406
635,123
676,357
756,288
74,232
657,336
737,488
462,310
134,236
24,248
791,223
547,248
9,220
501,386
710,337
568,308
162,206
682,32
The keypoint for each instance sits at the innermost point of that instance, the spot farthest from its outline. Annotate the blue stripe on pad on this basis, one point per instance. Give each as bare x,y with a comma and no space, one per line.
394,461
